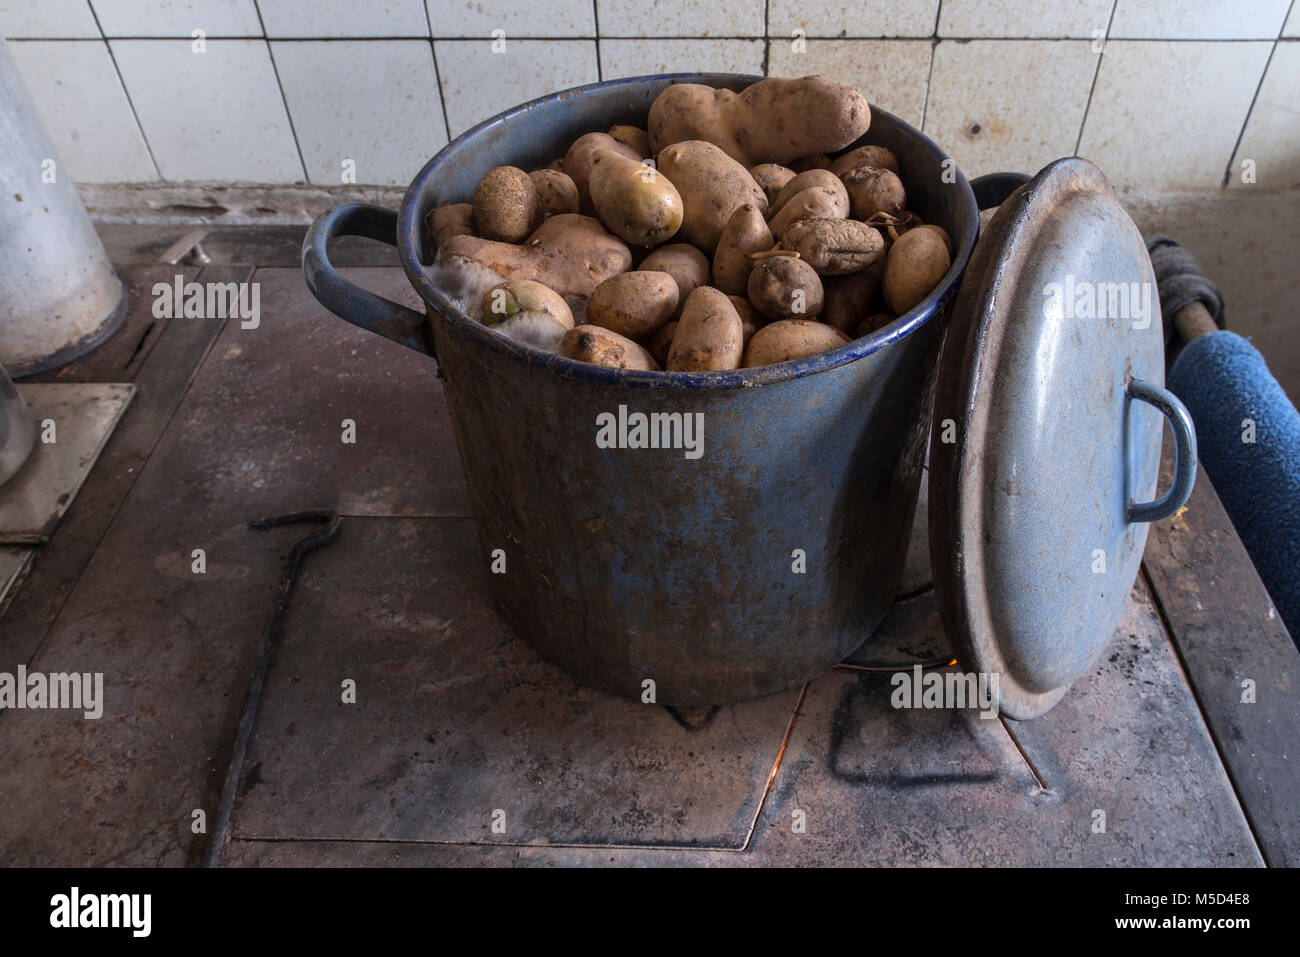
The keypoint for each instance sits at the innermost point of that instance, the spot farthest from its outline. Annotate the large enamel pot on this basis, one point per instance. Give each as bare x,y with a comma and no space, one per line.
735,574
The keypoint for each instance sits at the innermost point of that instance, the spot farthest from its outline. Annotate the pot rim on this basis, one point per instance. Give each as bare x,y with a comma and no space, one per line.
437,303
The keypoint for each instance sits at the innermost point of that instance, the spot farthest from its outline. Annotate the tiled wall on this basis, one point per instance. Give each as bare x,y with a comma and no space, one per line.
1163,94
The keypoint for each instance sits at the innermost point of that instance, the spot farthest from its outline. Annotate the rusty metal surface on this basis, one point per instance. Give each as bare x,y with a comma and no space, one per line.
455,718
175,647
1039,449
1239,658
889,787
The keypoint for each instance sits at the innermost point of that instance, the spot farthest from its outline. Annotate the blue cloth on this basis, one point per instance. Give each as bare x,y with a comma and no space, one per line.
1226,386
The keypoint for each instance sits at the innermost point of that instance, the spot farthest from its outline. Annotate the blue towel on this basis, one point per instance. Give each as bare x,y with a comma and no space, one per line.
1233,398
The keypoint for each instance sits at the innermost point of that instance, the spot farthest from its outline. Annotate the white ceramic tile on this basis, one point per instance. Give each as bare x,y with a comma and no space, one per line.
892,74
818,18
518,18
638,58
1143,130
1292,28
1272,135
1008,104
80,99
1198,19
478,84
214,116
344,18
1024,18
383,111
177,18
680,18
47,18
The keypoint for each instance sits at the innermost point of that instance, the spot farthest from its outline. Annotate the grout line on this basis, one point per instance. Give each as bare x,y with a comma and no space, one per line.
283,99
595,19
129,102
1024,755
767,37
1096,72
578,38
437,73
776,766
929,76
1241,134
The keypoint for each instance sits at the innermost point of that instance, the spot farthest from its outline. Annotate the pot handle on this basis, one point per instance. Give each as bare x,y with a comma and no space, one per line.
992,189
1184,453
346,300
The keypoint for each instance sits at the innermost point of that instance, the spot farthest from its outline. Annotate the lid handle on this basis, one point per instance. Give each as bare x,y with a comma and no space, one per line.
1184,453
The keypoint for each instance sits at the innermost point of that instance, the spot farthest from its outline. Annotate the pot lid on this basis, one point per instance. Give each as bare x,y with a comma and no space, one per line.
1038,449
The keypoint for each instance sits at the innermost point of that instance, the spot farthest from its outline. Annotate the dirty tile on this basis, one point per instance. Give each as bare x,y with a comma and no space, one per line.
620,58
518,18
892,74
455,720
1008,104
384,114
48,19
1024,18
1292,26
225,122
679,18
77,92
344,18
906,787
1198,19
1137,124
904,18
177,18
1272,135
478,83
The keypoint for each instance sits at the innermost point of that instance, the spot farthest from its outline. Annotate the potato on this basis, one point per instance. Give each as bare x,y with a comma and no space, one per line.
877,320
848,298
632,137
506,205
687,265
914,267
746,232
785,287
771,179
834,247
710,336
816,202
635,201
571,254
874,190
712,186
772,121
807,163
516,296
578,160
662,341
806,180
865,156
791,339
937,230
633,304
749,319
603,347
555,190
443,222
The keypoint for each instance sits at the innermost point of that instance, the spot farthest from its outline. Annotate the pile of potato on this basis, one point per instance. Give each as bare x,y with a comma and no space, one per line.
723,235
